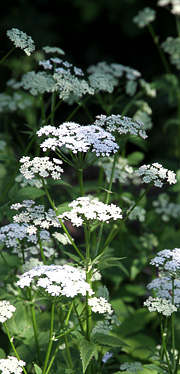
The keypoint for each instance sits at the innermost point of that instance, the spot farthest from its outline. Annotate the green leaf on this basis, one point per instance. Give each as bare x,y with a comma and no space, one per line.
87,350
2,353
107,262
135,158
109,340
37,369
29,193
63,208
154,367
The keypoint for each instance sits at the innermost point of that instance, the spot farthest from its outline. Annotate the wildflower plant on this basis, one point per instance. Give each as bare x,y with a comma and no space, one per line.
64,235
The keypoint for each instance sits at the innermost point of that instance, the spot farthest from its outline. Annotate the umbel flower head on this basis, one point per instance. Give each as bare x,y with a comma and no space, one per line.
100,305
121,125
11,365
89,209
163,288
35,216
160,305
40,166
57,280
6,310
168,262
156,174
144,17
21,40
77,138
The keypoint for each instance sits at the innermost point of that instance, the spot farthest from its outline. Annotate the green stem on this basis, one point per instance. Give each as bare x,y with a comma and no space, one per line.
161,53
173,328
12,345
163,335
61,222
15,172
50,339
106,202
33,317
41,249
7,54
115,230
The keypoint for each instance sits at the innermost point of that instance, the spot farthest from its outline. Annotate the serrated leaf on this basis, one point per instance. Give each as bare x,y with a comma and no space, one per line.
74,257
87,350
108,340
107,262
37,369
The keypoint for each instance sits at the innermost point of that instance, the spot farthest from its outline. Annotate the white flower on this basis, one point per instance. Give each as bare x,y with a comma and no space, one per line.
168,261
57,280
156,174
163,288
160,305
11,365
107,356
37,83
41,166
21,40
123,171
133,367
100,305
6,310
144,17
121,125
35,215
53,50
77,138
89,209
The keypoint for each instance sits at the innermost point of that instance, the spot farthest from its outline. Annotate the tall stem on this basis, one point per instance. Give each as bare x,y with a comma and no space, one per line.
116,229
61,222
50,338
12,345
161,53
33,317
173,329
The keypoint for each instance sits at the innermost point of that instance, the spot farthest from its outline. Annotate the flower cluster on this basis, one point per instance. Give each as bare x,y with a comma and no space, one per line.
37,83
13,103
174,3
123,171
6,310
53,50
89,209
77,138
100,305
105,77
29,182
121,124
163,288
11,365
70,85
168,261
165,208
144,17
156,174
160,305
133,367
35,216
172,47
41,166
11,235
21,40
57,280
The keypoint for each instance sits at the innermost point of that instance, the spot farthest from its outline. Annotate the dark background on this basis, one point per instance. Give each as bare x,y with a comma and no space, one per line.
89,30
